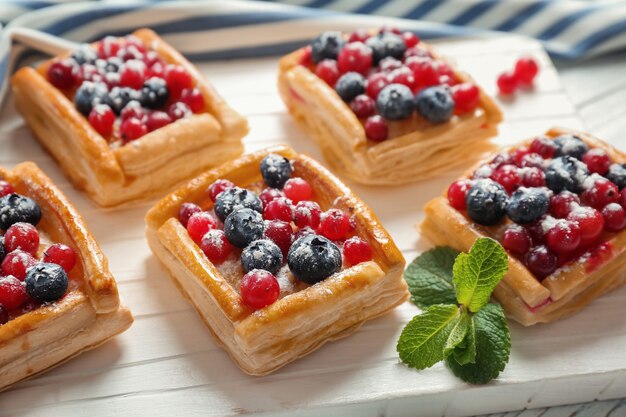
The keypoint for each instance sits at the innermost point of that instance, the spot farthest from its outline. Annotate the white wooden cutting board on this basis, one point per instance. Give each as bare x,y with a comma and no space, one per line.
168,365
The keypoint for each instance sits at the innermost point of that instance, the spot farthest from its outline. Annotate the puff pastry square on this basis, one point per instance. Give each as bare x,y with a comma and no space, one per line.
88,315
148,166
529,300
415,150
305,317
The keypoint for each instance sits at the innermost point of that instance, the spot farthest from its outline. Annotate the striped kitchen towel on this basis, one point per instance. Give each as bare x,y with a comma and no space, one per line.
568,29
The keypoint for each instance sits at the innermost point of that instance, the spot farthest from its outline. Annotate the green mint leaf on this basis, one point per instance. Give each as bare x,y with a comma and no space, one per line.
477,273
429,277
465,352
458,333
424,337
493,345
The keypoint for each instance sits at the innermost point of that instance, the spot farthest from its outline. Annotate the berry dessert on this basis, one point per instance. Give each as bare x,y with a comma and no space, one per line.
556,204
278,256
128,117
57,296
384,107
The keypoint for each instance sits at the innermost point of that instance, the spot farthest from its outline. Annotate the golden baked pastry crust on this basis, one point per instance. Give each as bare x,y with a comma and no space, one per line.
524,298
85,317
264,340
410,155
135,171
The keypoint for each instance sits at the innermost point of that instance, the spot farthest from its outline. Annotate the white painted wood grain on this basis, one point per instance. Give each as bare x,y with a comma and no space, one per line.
167,364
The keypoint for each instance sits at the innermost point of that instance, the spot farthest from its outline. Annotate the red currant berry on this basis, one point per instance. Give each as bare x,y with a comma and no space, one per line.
359,35
17,263
216,246
424,70
259,288
152,58
508,177
132,129
410,39
305,57
133,74
278,209
23,236
375,83
516,240
518,154
466,97
355,56
5,188
597,160
296,189
614,217
363,106
388,64
157,70
4,315
590,222
270,194
218,186
108,47
563,203
390,29
457,191
356,250
536,231
62,255
193,98
404,76
503,158
12,292
133,109
327,70
622,198
526,70
600,193
543,146
177,79
334,224
179,110
157,119
279,232
533,160
61,74
564,237
376,128
307,214
533,177
102,118
199,224
541,261
186,211
507,83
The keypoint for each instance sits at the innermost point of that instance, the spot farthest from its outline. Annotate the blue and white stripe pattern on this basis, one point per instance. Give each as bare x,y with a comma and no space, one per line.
568,29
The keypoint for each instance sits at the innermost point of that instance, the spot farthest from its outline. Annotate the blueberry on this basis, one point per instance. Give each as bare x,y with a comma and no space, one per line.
154,93
386,44
486,202
119,97
617,175
395,102
276,170
46,282
234,199
88,95
435,104
566,173
15,208
85,55
528,204
326,46
313,258
570,145
243,226
262,254
350,85
3,251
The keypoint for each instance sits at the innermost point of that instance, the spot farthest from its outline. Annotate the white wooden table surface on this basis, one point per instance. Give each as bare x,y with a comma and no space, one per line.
167,364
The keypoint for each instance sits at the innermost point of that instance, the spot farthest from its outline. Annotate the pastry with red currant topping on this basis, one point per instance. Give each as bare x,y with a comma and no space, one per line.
277,256
127,118
384,107
557,204
57,296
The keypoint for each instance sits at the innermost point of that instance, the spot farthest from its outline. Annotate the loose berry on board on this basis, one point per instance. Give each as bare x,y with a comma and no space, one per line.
507,83
526,70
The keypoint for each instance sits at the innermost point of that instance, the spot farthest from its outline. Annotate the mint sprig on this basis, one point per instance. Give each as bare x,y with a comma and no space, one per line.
458,323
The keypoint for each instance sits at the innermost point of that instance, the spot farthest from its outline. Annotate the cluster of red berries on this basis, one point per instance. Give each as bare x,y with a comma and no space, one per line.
524,73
